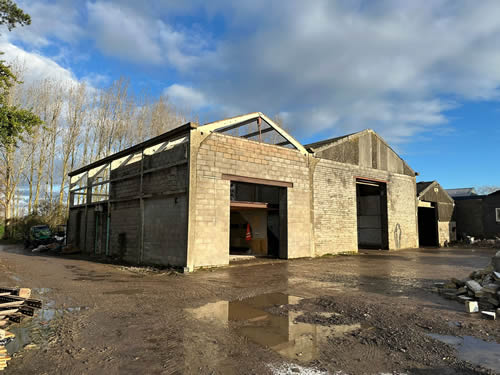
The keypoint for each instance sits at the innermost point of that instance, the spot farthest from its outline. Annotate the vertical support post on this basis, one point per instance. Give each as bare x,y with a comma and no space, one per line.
107,231
283,211
141,203
259,123
88,197
96,231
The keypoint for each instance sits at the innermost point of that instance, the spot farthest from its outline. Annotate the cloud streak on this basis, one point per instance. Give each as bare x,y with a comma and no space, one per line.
326,66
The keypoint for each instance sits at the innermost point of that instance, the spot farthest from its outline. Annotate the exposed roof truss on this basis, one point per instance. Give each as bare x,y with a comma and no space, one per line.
257,127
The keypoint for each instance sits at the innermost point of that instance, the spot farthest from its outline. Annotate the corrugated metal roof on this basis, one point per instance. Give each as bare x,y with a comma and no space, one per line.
461,192
327,141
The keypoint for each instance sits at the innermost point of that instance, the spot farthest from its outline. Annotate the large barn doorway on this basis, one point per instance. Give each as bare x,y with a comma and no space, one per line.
427,226
258,220
371,199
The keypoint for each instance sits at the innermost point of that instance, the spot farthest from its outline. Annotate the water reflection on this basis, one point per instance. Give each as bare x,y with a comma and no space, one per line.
279,332
474,350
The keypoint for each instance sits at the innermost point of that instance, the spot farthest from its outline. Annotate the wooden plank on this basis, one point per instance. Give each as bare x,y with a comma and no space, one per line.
28,302
239,204
8,311
260,181
369,179
11,304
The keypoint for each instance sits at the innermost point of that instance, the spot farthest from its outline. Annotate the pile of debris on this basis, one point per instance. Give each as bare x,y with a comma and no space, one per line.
480,291
492,243
15,305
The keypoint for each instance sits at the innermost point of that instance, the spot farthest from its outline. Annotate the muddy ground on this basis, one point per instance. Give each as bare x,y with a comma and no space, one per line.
370,313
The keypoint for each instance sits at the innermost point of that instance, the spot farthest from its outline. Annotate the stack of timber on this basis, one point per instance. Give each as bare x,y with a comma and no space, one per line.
15,305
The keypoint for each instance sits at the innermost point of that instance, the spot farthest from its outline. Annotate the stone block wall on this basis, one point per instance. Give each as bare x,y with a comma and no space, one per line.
335,211
446,232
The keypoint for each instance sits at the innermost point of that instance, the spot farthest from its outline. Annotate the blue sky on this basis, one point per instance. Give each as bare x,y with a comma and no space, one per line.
426,78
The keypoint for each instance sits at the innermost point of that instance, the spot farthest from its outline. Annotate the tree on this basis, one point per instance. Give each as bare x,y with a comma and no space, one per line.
485,190
14,121
11,15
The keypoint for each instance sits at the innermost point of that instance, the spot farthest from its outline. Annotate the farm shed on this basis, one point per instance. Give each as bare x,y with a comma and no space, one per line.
478,215
198,195
435,210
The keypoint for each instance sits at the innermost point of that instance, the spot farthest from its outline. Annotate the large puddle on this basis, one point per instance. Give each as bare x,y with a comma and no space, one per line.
281,333
40,329
471,349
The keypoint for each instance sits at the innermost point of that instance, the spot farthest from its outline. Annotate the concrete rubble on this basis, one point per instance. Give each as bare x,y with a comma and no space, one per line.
480,292
484,242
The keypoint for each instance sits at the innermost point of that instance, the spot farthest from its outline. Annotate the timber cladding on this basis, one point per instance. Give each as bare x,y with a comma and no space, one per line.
220,155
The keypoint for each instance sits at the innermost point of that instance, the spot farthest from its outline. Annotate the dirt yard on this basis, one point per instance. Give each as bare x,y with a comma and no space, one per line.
370,313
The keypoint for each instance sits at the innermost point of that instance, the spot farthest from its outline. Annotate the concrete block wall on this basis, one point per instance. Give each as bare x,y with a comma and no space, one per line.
165,214
213,155
125,226
165,230
335,212
173,179
127,187
90,242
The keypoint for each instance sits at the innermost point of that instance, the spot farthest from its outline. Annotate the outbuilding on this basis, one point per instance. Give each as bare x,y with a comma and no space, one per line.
436,226
197,196
478,215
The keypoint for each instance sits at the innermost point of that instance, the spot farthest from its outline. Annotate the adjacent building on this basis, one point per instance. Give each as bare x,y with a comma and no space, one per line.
196,195
436,226
478,215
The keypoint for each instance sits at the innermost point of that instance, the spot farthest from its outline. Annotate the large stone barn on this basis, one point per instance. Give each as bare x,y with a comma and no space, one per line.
197,196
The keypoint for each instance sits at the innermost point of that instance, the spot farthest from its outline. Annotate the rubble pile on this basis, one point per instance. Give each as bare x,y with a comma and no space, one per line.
15,305
479,292
483,242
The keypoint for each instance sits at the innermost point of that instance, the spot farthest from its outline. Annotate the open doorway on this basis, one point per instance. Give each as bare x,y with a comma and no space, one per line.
427,226
371,198
258,220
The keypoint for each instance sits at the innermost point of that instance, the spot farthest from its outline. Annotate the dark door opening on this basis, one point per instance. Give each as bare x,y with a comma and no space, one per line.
371,199
257,220
427,226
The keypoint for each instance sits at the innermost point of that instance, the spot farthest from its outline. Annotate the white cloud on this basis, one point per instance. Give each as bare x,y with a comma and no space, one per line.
35,67
328,66
342,66
120,32
96,79
49,19
186,97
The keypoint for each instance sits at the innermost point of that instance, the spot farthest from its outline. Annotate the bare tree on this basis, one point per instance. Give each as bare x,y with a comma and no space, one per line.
487,189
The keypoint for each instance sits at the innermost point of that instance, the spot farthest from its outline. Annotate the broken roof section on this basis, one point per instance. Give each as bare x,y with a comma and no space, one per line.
257,127
461,192
365,148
